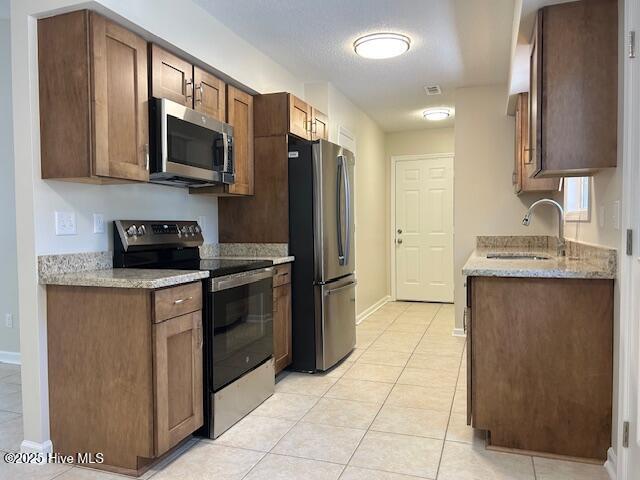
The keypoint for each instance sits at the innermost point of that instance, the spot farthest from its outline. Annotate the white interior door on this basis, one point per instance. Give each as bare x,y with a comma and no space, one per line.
424,229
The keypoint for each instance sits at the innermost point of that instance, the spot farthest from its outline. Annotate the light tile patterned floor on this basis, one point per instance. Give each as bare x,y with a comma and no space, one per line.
395,409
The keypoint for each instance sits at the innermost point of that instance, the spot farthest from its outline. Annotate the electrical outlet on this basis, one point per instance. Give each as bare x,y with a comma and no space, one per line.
8,320
98,223
65,223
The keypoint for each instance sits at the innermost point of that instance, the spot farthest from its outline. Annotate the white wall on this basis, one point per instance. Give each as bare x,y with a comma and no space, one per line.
9,337
484,202
197,34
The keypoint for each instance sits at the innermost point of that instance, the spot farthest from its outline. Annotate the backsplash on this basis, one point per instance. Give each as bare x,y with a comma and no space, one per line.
254,249
73,262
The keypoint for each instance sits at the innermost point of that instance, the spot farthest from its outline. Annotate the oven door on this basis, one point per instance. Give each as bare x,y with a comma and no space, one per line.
191,145
242,317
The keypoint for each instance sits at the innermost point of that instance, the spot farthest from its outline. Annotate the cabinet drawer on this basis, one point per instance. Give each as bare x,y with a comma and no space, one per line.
282,275
175,301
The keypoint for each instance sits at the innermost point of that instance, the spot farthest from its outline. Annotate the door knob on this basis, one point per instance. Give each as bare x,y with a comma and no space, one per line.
399,230
399,240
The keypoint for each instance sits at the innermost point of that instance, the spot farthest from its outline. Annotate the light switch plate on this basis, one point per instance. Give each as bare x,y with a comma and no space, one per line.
65,223
8,320
601,216
615,215
98,223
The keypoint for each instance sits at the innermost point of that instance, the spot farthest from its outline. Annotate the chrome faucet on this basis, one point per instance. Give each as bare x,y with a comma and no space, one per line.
562,245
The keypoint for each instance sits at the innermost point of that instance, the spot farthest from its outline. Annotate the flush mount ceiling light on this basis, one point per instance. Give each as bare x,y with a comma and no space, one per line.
382,45
436,114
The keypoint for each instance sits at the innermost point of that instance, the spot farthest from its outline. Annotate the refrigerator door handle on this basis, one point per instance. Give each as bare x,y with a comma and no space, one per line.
347,196
339,186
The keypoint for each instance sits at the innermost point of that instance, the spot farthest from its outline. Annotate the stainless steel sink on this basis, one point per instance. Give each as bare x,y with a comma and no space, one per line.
518,256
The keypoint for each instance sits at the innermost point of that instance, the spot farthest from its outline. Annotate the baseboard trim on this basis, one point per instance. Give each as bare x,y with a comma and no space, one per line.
372,308
42,449
10,357
611,465
459,332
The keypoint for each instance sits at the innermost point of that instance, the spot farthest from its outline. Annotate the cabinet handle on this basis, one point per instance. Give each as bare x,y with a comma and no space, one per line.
182,300
188,83
314,127
146,156
201,90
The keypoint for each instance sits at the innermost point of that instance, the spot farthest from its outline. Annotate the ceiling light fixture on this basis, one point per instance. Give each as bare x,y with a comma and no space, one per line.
436,114
382,45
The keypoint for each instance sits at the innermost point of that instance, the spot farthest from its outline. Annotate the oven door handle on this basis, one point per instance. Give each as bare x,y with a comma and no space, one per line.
239,279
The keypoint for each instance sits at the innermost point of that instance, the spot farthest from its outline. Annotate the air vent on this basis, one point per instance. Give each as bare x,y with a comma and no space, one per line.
433,89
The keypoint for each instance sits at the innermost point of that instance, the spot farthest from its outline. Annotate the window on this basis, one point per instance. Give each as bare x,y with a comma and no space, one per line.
577,199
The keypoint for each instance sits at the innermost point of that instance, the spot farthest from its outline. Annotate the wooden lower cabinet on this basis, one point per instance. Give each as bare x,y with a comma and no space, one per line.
541,364
177,376
121,381
282,342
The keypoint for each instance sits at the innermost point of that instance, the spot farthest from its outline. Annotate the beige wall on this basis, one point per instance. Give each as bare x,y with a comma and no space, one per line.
416,142
9,337
371,191
484,201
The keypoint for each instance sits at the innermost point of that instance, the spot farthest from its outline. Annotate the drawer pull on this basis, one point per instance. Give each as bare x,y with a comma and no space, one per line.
182,300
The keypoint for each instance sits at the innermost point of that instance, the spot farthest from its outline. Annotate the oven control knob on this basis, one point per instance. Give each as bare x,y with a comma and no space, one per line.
197,229
132,231
191,229
184,230
142,230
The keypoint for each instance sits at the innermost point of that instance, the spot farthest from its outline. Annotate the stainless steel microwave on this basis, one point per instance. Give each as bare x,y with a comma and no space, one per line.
188,148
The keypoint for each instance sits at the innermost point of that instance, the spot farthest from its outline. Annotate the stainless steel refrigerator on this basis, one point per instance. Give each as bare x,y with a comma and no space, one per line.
321,233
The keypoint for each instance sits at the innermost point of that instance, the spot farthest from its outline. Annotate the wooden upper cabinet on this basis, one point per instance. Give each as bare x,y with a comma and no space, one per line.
171,77
299,117
178,386
240,117
319,125
180,81
284,113
574,89
522,182
94,122
209,94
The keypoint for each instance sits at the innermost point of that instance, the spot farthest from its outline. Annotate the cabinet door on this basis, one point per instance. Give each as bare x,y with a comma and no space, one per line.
534,162
120,97
320,126
299,117
209,94
282,326
525,183
177,371
171,77
240,116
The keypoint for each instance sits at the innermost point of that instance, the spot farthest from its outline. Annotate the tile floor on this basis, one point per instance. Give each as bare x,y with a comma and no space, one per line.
395,409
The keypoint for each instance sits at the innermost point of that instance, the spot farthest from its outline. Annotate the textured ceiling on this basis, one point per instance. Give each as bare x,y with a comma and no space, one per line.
455,43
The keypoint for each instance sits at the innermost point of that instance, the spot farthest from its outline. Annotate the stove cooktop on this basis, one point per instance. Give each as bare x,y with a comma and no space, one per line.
219,267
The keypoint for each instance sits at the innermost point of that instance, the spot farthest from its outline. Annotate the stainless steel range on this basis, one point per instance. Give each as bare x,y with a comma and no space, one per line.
237,318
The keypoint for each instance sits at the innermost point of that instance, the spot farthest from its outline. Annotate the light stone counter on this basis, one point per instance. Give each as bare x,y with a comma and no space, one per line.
124,278
274,260
582,260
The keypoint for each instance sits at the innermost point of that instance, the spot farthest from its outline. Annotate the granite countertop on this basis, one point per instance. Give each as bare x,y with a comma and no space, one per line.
582,261
274,260
124,278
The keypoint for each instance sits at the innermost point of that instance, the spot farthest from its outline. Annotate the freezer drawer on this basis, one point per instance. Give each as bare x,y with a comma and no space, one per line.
336,321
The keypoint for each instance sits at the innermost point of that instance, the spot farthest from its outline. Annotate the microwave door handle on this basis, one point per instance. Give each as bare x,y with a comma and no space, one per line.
225,152
339,184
